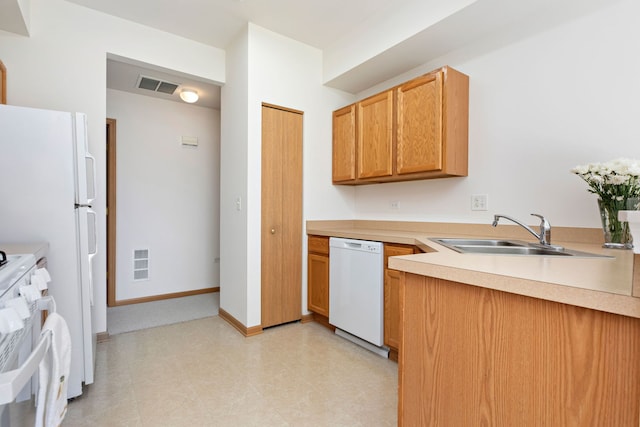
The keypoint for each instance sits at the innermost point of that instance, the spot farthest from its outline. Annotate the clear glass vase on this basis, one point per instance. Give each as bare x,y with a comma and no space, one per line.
616,233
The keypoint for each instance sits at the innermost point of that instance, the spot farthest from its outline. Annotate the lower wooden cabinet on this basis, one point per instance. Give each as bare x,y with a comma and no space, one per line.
318,288
392,309
392,298
318,275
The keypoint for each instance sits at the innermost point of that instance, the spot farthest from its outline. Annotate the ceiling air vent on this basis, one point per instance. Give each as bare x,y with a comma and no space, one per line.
166,87
156,85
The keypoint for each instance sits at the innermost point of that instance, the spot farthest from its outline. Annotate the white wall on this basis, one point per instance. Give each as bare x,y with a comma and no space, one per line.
288,73
233,183
283,72
167,194
383,31
62,66
538,107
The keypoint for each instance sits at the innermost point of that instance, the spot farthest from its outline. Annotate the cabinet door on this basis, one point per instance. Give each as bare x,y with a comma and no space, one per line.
419,125
318,284
318,244
375,136
392,308
392,295
344,144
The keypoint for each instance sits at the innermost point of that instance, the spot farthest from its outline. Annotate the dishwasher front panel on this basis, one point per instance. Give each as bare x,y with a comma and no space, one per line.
356,292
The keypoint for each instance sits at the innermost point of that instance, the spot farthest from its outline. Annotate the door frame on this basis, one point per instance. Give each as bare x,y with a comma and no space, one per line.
111,213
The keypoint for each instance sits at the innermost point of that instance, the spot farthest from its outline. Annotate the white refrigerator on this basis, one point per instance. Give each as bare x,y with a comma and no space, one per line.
47,185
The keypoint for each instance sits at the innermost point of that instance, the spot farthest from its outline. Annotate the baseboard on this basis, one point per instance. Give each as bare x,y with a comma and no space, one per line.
306,318
166,296
323,320
247,332
102,337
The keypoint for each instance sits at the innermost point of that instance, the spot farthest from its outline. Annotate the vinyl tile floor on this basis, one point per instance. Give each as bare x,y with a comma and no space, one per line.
133,317
204,373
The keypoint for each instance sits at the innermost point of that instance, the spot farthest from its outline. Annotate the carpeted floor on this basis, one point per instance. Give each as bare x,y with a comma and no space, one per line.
133,317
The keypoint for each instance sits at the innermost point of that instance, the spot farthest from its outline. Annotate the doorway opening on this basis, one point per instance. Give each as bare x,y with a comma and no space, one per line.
165,180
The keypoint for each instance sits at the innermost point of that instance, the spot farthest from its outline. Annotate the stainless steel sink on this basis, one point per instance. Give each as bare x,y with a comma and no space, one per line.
509,247
479,242
511,250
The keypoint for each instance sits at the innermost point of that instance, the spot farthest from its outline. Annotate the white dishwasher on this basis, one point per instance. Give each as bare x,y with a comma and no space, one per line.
356,293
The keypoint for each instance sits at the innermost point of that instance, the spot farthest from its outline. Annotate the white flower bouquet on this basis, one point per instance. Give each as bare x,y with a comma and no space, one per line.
617,184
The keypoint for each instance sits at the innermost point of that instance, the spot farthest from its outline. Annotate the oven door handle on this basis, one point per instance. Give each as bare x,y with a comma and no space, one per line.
12,382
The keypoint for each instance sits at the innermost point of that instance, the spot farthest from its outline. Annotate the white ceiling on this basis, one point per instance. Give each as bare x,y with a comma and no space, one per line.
318,23
216,23
329,25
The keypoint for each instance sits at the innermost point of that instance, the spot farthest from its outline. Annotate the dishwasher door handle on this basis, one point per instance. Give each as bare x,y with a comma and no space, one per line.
352,245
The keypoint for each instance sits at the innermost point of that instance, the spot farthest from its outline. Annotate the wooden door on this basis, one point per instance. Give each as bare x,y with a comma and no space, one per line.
3,83
419,133
281,239
111,213
375,136
344,144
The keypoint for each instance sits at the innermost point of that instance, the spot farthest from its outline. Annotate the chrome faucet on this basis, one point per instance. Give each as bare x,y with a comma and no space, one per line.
545,228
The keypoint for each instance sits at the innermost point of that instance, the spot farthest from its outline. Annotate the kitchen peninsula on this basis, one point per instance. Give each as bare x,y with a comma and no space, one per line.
511,340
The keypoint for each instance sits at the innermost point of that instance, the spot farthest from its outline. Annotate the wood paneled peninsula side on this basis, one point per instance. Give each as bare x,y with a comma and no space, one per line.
511,340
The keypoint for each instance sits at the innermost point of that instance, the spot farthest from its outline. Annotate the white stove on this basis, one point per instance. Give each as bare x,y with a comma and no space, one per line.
16,346
14,272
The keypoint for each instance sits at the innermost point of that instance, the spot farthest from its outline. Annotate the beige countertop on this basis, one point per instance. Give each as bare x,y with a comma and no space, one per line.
597,283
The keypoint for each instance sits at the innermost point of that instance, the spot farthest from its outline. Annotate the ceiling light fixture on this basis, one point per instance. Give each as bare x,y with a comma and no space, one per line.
189,96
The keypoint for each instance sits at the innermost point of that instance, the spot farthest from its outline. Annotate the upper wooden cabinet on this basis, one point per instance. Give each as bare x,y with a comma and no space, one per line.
419,127
375,136
417,130
344,144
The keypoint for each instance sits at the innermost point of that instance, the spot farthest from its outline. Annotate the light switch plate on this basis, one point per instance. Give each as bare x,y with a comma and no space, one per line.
189,140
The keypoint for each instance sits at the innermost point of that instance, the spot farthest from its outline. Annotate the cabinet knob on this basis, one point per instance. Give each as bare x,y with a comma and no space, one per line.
273,231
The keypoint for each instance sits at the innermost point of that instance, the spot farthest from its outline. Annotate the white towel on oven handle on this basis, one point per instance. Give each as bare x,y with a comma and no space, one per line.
43,274
39,282
54,373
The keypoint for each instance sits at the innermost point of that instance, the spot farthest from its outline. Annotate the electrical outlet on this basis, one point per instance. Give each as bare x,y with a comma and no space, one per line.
395,205
479,202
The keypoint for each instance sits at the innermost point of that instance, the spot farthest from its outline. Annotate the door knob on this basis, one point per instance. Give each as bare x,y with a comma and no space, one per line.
273,231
